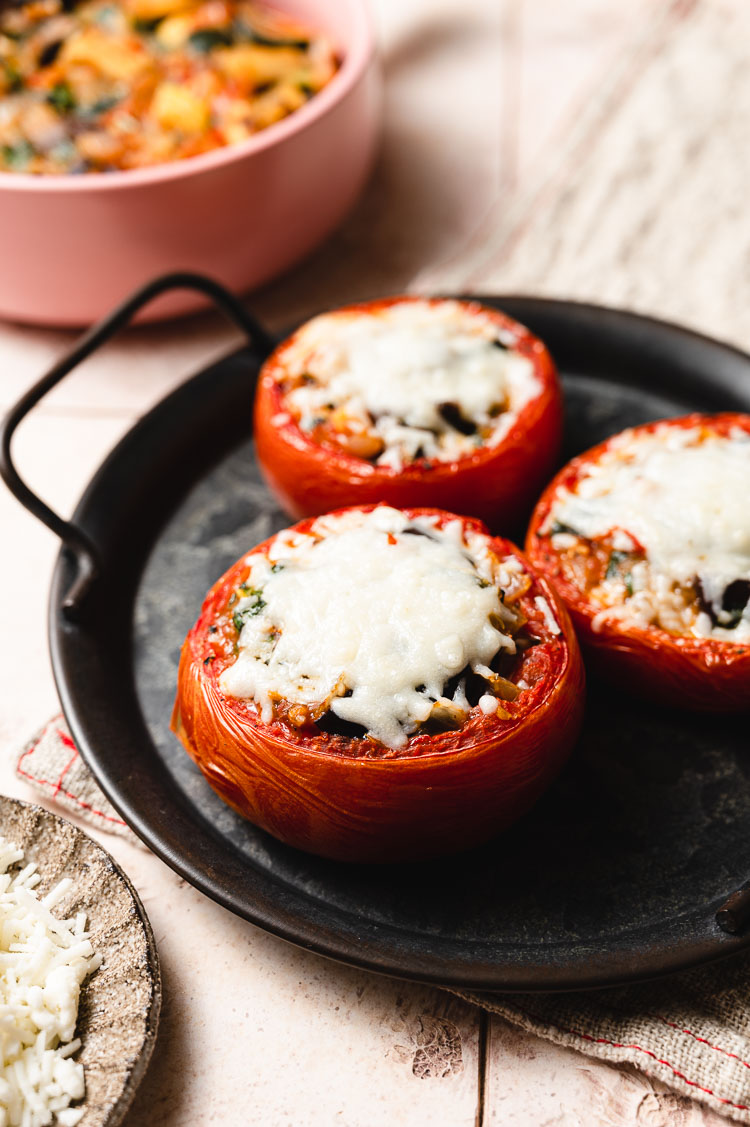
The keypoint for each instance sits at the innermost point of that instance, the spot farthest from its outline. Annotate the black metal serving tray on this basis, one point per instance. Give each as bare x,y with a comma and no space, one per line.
618,872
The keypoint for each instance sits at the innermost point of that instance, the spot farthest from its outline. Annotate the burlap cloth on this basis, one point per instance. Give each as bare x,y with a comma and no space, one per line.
692,1030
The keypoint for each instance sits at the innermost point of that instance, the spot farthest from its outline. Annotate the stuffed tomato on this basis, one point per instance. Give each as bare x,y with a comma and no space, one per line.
647,539
381,685
410,401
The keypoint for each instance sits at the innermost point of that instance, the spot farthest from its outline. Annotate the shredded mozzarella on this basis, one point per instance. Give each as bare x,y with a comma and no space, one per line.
682,495
371,613
549,619
43,961
393,371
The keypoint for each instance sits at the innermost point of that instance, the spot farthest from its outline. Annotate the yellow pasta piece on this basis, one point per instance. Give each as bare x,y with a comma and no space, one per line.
176,107
99,147
115,58
252,65
290,96
173,32
157,9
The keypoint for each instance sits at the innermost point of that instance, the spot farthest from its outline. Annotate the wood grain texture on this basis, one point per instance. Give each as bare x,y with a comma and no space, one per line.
646,204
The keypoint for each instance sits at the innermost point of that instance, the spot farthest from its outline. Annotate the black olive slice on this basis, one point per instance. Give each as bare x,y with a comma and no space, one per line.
451,412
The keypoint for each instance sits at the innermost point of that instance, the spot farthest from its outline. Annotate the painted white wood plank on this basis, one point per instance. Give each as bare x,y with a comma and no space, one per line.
565,54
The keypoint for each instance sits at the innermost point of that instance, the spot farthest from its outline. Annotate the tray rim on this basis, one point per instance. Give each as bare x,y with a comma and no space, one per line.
627,966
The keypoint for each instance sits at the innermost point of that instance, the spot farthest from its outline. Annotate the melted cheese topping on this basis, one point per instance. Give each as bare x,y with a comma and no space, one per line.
371,614
682,495
392,373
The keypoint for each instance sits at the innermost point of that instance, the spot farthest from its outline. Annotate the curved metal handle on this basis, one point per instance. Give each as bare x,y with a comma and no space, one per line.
73,537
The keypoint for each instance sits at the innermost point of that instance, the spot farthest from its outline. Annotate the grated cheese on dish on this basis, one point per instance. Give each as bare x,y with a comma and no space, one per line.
370,615
672,505
410,380
43,961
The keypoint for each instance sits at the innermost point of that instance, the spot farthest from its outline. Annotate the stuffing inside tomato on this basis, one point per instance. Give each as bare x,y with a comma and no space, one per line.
380,684
410,401
648,540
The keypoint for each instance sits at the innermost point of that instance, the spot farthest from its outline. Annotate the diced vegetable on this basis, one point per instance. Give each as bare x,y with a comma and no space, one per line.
115,58
17,156
176,107
615,560
61,97
254,66
173,32
10,79
157,9
99,147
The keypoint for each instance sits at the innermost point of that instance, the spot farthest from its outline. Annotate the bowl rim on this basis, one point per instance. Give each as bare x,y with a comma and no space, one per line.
357,56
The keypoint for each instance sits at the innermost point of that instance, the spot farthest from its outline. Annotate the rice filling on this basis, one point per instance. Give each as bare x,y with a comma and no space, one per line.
413,380
372,616
672,508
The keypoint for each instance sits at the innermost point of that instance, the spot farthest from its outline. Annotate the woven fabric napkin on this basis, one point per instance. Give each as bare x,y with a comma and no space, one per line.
50,763
691,1031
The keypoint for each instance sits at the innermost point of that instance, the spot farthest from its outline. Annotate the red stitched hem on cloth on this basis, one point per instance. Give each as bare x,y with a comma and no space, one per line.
57,788
680,1075
649,1053
64,737
702,1040
66,742
696,1036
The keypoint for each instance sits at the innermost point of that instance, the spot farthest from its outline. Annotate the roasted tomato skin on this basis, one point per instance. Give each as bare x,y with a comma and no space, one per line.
701,674
497,484
320,793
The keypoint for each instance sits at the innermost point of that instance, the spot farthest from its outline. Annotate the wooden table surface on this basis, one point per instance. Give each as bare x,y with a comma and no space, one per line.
589,149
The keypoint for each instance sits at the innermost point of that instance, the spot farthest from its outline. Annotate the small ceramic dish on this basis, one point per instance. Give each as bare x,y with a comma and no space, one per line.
73,246
120,1003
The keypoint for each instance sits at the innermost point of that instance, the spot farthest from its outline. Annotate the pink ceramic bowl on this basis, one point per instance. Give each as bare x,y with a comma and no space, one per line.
72,246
